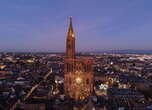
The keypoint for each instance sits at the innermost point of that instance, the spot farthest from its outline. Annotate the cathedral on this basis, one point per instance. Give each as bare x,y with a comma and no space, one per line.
78,76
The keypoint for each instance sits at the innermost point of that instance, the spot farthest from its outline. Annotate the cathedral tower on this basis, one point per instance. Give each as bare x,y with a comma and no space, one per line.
70,42
78,76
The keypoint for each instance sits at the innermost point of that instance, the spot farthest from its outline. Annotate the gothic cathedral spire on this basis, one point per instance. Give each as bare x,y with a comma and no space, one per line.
70,42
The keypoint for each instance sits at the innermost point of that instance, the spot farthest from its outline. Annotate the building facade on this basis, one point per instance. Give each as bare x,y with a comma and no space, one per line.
78,77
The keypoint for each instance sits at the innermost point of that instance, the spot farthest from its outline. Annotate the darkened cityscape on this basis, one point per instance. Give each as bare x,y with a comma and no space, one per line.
100,76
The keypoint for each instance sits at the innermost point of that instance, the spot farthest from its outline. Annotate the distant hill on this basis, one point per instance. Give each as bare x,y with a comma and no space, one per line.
128,51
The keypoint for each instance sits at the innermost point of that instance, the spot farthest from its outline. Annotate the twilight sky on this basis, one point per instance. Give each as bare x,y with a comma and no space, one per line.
41,25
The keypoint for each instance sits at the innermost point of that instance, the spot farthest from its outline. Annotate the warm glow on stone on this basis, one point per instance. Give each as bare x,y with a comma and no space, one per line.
72,35
78,80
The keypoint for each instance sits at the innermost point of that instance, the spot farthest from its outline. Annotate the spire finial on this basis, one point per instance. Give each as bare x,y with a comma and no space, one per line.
70,19
70,25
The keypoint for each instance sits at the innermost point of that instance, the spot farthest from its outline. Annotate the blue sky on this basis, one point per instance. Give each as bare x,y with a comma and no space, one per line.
41,25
